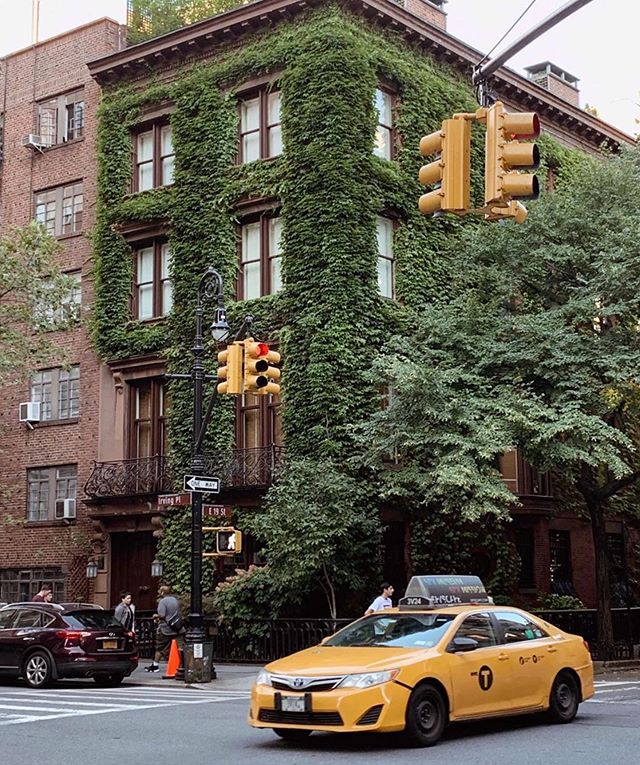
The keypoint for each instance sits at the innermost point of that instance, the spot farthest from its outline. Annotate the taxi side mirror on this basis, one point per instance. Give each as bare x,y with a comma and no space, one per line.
324,640
462,644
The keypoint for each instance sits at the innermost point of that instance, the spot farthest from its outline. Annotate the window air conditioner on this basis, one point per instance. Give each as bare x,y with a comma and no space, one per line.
65,508
29,411
33,141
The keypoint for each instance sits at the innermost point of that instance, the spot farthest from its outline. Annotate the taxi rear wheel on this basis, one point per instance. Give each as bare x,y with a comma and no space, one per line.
564,699
426,716
292,734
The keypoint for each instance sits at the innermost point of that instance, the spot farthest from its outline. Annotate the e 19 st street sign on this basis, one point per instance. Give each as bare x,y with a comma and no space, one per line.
203,483
216,511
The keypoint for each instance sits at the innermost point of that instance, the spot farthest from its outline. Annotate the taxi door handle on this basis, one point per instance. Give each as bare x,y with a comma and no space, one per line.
503,656
551,649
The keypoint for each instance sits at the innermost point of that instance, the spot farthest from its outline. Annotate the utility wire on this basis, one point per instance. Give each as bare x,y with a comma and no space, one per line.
526,10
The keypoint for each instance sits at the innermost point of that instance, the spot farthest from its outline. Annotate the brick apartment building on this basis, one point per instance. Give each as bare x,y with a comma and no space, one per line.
118,415
48,112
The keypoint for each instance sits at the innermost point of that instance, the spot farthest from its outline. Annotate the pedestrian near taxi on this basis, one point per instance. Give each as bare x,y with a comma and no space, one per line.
383,600
44,596
169,626
125,611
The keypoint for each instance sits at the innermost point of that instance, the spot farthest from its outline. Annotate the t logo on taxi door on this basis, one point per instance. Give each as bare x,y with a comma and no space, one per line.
485,677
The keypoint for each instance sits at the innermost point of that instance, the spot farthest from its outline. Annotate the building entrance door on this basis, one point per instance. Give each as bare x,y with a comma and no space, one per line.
131,557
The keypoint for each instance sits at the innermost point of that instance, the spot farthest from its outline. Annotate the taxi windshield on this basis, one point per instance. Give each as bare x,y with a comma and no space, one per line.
394,631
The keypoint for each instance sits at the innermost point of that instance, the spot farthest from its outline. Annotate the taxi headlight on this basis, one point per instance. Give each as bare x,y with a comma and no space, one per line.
263,678
367,679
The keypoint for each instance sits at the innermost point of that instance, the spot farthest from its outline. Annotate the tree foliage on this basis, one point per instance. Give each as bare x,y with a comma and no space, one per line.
33,301
150,18
538,348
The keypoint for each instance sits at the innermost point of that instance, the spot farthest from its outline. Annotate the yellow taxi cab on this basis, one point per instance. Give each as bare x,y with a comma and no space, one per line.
446,654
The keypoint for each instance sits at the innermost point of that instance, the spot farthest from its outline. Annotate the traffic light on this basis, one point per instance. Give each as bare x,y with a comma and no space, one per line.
230,369
259,371
505,155
451,169
229,541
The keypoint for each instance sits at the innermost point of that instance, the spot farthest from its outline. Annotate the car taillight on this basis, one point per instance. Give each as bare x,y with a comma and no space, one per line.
586,645
72,637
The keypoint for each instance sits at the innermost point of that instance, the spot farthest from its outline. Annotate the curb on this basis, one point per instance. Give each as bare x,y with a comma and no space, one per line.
601,667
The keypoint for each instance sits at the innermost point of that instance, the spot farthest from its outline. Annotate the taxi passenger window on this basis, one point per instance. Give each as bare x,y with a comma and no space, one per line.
517,628
478,627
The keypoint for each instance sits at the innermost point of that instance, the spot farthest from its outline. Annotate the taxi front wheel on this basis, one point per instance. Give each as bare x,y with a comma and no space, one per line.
426,716
564,699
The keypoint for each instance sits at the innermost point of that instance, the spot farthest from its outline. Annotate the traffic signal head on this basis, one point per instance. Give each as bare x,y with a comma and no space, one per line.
451,169
229,541
259,369
506,155
230,368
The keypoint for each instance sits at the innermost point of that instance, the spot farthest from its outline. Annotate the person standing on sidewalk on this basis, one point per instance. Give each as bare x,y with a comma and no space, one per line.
169,621
125,611
44,596
383,600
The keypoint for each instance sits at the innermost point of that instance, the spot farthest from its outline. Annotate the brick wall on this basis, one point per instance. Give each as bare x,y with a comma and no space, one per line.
40,72
427,11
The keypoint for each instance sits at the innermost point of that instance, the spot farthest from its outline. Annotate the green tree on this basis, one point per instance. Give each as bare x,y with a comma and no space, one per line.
538,348
150,18
34,299
318,529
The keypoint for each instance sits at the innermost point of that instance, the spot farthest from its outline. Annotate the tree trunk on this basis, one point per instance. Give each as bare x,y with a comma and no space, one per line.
330,593
605,624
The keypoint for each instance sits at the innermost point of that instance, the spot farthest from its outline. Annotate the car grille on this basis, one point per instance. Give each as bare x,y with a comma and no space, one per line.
370,717
300,718
315,684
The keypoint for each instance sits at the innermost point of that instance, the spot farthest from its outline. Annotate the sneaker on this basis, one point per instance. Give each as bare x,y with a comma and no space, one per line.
152,668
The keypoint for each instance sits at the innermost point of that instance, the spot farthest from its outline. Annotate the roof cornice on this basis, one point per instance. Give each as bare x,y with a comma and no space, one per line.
202,39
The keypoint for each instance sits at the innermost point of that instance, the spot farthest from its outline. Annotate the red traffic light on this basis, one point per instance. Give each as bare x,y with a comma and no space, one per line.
261,349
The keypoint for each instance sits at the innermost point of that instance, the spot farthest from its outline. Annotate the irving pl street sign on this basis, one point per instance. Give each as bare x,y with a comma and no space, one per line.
202,483
216,511
172,500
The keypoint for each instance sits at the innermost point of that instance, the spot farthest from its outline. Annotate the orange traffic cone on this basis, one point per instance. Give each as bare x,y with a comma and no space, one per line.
174,661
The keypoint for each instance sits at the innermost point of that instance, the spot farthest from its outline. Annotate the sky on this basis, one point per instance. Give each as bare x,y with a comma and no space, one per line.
596,44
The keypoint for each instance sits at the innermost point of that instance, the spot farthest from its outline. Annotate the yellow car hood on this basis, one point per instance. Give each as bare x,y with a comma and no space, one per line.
329,660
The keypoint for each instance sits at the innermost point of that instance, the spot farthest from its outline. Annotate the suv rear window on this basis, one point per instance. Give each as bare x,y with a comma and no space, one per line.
94,619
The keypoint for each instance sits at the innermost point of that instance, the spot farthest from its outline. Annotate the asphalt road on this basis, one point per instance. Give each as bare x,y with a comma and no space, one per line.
166,723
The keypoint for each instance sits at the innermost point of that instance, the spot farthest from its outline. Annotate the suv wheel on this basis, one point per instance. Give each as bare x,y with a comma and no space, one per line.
38,670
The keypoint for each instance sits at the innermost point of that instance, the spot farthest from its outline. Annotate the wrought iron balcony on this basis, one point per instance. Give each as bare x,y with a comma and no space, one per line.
129,478
237,469
246,468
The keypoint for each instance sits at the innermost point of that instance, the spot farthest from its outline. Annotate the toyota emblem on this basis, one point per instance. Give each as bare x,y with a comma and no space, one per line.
298,682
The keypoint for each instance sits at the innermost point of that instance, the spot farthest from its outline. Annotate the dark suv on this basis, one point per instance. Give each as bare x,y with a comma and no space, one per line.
42,642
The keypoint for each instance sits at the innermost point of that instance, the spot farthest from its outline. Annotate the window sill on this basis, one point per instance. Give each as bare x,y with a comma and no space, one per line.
63,143
51,522
136,192
61,237
49,423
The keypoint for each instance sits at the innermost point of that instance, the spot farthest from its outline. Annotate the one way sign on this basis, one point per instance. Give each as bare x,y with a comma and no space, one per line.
202,483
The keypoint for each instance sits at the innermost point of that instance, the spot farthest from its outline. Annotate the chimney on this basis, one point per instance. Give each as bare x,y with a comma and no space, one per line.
556,81
427,10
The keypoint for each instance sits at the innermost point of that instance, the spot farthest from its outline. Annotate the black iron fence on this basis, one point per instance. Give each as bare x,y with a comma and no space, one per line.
263,641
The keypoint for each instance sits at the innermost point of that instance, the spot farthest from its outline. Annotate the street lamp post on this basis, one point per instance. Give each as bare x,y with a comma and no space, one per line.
210,285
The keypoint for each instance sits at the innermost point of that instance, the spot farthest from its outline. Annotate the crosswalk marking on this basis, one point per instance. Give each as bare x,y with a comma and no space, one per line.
25,705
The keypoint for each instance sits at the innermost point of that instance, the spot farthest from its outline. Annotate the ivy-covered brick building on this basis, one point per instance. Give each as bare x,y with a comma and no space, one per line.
277,142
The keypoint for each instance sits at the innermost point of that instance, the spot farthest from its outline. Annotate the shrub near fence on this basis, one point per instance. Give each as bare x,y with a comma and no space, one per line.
281,637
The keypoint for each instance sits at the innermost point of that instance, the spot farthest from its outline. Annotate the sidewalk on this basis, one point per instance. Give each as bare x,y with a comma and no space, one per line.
229,677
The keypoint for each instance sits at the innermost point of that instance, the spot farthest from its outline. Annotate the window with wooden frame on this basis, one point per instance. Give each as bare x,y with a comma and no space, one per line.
260,128
384,136
154,157
147,418
153,291
58,392
260,256
386,263
45,485
61,119
68,310
258,421
60,209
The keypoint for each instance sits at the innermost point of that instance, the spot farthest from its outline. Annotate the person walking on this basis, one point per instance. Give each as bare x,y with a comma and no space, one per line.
169,626
383,600
44,596
125,611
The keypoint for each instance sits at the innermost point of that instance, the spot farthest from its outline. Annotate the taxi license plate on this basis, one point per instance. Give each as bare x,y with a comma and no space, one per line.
293,704
110,645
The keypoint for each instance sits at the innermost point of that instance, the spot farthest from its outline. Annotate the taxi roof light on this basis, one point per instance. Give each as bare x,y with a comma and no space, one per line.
437,590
